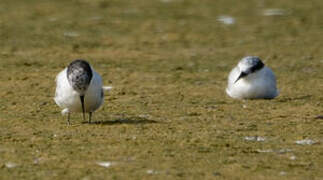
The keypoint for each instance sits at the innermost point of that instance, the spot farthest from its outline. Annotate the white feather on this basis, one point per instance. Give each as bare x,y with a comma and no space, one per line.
69,99
107,88
258,85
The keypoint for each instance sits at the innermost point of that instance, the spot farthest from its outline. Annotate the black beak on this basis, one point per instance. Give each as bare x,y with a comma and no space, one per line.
242,74
83,109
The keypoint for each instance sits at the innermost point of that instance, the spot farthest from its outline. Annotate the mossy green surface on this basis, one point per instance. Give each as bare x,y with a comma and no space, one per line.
168,116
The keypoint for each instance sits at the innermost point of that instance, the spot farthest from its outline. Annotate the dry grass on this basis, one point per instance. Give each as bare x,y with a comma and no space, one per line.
168,115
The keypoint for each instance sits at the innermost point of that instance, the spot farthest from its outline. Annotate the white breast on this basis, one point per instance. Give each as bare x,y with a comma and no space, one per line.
66,97
258,85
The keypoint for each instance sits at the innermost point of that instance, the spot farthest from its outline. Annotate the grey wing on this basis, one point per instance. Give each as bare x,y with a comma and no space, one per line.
271,79
270,74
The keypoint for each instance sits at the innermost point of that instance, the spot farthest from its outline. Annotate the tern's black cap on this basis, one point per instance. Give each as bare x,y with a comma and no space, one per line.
79,75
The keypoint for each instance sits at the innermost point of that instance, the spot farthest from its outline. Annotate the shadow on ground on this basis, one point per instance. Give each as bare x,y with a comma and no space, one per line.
123,120
287,99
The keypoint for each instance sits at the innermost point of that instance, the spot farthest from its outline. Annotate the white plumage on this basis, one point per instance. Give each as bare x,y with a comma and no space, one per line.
251,79
68,97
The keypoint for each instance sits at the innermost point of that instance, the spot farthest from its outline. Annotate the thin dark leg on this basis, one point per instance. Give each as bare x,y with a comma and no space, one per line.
68,118
90,116
83,109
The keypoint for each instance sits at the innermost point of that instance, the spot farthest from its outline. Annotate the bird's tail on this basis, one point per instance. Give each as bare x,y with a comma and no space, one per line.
107,88
65,111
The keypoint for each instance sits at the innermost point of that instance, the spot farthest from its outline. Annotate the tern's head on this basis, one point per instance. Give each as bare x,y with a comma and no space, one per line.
249,65
79,75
